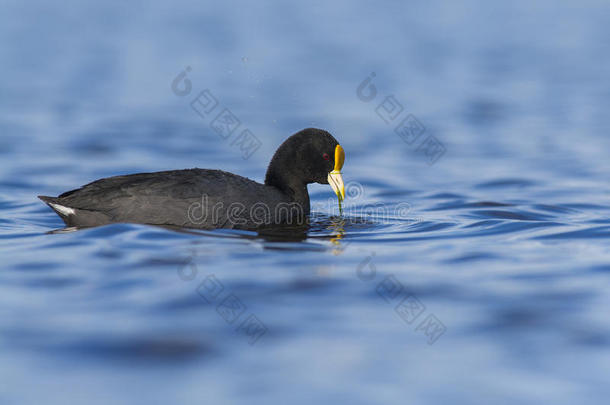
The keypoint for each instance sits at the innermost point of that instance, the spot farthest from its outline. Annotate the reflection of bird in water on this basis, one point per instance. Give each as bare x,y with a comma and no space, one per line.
337,226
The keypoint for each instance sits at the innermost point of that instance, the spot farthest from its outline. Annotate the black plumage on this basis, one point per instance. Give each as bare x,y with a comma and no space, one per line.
204,198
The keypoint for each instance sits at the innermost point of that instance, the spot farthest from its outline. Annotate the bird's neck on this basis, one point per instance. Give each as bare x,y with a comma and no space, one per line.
295,189
300,195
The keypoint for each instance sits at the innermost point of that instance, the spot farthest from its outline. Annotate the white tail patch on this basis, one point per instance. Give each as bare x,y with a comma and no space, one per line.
61,209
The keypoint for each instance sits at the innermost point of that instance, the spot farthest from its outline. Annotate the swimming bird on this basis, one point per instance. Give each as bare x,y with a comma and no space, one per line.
208,199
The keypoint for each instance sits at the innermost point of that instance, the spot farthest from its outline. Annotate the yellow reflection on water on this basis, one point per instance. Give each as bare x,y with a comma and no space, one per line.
337,227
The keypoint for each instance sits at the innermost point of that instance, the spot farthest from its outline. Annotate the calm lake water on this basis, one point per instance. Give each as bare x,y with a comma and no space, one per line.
472,261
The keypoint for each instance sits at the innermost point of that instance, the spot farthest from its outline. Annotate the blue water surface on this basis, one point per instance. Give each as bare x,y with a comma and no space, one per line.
471,263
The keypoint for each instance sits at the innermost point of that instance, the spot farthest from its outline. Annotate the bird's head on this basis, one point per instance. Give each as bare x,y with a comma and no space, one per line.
309,156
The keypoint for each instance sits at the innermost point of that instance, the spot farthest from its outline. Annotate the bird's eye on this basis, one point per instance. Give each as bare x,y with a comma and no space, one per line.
325,156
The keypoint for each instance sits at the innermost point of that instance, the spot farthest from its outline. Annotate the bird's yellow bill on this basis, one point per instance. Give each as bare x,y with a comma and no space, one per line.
336,182
339,158
334,178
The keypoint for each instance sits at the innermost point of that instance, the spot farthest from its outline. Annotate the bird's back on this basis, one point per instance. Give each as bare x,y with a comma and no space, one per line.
197,198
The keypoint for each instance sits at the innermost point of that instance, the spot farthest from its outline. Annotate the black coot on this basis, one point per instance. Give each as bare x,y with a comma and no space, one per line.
203,198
